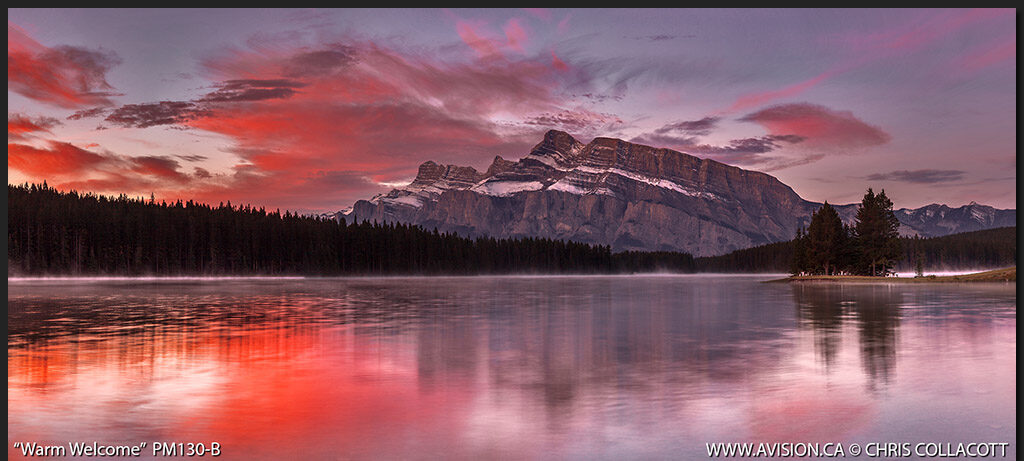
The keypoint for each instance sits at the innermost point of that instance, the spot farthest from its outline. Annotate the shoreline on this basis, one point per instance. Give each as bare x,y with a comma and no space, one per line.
228,278
1004,275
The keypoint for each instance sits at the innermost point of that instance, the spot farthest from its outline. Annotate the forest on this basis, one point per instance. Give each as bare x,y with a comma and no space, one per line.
984,249
52,233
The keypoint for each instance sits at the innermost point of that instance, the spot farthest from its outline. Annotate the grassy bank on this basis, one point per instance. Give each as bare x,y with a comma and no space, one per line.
997,275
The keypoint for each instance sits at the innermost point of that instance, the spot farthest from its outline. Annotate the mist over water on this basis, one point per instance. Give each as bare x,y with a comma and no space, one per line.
507,367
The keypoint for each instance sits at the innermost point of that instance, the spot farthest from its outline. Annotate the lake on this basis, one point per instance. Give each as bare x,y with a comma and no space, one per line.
545,367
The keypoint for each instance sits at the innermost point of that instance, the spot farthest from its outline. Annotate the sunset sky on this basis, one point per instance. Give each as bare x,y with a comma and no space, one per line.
310,110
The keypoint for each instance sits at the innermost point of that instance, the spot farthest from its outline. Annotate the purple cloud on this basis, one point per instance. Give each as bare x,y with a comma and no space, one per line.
925,176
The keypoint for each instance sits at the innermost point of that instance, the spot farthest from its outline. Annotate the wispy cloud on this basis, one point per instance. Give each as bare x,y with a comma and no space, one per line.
579,122
866,49
701,127
990,55
21,126
146,115
926,176
745,151
64,76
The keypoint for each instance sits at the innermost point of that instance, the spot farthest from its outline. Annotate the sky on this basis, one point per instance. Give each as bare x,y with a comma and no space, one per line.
310,110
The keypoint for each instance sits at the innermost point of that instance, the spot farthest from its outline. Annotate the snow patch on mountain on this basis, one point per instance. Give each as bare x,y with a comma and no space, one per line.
499,188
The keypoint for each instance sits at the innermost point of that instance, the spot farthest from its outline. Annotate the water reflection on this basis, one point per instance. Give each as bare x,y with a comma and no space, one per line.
505,367
874,309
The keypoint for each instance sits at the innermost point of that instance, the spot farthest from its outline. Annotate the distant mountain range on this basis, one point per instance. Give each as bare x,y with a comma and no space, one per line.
630,197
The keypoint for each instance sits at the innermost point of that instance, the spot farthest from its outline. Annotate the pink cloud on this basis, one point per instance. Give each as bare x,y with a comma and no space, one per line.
66,77
563,25
752,100
471,35
990,56
488,45
557,63
516,35
820,126
927,29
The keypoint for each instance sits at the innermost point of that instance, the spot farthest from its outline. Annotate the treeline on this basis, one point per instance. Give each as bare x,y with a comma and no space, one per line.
66,233
769,258
984,249
50,232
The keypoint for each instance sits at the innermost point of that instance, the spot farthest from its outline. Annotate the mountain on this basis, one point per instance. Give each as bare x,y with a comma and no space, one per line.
938,220
628,196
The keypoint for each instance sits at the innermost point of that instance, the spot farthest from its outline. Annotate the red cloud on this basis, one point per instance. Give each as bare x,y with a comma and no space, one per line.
820,126
21,126
67,77
380,112
65,166
304,119
57,160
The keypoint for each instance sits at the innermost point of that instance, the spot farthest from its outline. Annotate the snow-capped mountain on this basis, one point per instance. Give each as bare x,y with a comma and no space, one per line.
935,220
628,196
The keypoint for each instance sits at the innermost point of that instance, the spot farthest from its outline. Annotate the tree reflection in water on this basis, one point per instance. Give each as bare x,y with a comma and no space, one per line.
874,310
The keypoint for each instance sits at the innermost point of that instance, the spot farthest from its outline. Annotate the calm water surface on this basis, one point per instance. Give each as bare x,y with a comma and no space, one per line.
648,367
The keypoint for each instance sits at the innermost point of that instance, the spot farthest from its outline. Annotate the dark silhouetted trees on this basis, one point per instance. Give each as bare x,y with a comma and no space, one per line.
984,249
825,248
870,247
67,233
876,235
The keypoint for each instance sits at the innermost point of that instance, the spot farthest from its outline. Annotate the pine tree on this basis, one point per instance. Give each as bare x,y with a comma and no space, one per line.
876,234
826,241
799,265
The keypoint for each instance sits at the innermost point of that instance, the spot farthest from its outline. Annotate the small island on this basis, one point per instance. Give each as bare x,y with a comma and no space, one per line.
866,251
997,275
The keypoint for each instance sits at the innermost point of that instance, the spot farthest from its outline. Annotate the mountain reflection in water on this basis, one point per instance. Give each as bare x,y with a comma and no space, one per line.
510,367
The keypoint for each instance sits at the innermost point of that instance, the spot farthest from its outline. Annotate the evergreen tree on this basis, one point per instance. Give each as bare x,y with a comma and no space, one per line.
876,235
799,265
826,241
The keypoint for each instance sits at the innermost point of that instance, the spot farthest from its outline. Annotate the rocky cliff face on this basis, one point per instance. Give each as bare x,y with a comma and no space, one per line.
607,192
